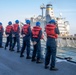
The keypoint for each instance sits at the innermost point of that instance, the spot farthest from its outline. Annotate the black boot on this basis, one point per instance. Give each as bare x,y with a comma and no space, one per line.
33,60
5,48
12,50
1,46
18,51
53,69
21,55
28,57
39,61
46,66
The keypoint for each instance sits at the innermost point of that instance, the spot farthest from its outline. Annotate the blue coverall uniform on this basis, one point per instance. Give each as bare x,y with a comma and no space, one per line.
37,47
16,38
51,46
9,39
26,43
1,36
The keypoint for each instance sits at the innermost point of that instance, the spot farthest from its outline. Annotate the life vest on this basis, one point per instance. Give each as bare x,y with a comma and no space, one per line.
50,30
25,29
8,28
0,28
35,31
15,27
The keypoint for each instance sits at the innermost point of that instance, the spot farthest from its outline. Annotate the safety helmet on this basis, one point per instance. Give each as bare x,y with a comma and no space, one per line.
37,23
52,21
9,23
0,23
17,21
28,21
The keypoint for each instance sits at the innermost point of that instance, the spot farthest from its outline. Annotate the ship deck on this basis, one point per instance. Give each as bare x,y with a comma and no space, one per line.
12,64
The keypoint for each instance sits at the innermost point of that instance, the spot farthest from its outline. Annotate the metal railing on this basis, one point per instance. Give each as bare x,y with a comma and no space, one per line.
66,48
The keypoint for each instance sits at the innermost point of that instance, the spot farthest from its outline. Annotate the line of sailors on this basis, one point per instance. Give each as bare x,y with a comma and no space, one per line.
12,32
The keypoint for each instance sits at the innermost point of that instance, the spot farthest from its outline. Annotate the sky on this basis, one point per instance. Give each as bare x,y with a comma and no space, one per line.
10,10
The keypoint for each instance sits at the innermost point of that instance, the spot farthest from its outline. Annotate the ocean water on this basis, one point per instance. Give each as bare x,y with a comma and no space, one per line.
64,52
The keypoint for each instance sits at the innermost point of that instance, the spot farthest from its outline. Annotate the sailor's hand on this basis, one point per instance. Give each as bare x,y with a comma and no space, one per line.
57,25
23,35
7,35
34,43
13,35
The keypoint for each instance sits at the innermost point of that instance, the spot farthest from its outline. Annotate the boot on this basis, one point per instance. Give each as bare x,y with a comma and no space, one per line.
28,57
1,46
21,55
18,51
46,66
39,61
12,50
33,59
53,69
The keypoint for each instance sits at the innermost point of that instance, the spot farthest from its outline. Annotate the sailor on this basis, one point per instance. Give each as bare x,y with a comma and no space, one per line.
1,34
16,36
36,37
52,32
8,33
26,33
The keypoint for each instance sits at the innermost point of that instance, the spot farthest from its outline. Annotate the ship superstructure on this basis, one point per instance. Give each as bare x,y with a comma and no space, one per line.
62,23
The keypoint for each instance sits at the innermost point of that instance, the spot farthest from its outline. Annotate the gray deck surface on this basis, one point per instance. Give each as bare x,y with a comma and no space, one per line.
12,64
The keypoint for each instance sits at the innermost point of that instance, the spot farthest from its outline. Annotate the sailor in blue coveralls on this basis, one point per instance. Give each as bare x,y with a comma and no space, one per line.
8,31
1,34
26,33
16,36
36,37
52,32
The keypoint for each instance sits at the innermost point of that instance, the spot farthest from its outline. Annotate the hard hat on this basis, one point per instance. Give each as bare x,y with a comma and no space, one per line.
0,23
17,21
52,21
9,23
28,21
37,23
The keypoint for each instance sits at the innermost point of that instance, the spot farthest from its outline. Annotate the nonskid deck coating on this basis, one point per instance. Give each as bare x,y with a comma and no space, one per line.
12,64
